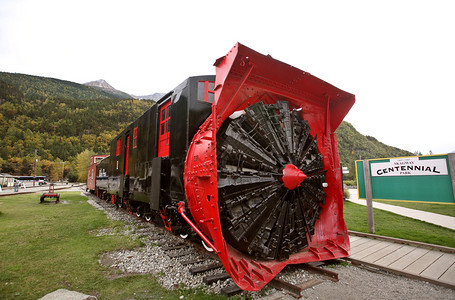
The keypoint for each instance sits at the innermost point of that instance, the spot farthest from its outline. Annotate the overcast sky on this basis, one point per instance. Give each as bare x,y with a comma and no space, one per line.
397,57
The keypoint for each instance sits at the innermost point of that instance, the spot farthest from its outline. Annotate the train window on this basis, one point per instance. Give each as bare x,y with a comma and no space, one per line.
200,90
135,137
164,128
119,147
211,97
205,91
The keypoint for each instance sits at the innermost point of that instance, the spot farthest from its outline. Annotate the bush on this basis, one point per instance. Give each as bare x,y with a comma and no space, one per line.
72,177
349,182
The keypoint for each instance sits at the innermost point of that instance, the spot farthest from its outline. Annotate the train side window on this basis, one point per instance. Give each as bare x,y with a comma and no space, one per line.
205,91
201,90
119,147
135,137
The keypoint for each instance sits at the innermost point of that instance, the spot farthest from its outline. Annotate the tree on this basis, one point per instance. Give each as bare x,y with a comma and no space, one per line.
82,163
57,168
46,167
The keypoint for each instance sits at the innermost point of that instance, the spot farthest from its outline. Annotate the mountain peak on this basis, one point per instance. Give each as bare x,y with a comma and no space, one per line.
101,83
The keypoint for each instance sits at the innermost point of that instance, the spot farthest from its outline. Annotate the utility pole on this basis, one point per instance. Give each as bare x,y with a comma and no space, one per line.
34,168
63,171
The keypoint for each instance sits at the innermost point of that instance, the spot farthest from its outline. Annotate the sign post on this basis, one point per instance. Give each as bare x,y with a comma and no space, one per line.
451,157
369,195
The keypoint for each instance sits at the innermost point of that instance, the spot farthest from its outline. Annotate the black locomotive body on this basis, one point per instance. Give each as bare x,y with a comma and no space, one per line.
144,170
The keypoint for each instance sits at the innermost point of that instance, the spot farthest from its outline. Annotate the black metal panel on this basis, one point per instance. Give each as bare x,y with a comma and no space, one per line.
150,142
187,115
155,196
136,185
114,163
178,140
138,164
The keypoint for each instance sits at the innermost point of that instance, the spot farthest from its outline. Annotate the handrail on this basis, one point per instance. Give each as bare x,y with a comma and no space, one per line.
181,210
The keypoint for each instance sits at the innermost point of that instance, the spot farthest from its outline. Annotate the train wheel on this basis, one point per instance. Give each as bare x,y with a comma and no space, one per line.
209,249
270,181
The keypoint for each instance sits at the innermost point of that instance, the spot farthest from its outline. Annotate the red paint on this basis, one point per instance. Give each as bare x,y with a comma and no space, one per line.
127,153
113,199
119,147
165,219
181,210
163,130
292,176
135,138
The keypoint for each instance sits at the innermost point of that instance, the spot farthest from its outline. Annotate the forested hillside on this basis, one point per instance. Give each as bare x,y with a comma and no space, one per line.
59,127
36,87
353,146
66,122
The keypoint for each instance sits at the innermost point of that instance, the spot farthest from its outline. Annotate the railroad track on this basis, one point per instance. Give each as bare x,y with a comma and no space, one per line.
190,253
205,264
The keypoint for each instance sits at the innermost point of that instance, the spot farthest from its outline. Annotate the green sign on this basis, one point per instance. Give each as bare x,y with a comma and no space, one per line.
417,178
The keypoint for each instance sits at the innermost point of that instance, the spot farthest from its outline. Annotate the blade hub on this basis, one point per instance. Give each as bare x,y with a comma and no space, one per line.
292,177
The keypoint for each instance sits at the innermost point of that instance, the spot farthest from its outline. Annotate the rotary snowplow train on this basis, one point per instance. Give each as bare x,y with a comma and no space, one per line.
247,159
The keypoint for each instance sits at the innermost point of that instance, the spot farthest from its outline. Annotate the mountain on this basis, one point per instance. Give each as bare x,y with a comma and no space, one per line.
155,97
352,146
103,85
59,119
37,87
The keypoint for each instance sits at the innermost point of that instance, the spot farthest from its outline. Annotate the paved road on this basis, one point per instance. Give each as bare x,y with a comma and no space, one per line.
39,189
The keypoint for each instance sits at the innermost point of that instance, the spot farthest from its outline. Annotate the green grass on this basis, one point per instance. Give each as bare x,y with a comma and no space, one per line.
393,225
45,247
443,209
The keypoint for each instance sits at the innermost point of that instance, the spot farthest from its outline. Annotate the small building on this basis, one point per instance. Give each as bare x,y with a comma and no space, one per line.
6,180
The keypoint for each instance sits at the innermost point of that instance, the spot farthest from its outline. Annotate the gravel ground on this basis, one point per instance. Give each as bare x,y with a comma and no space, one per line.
355,283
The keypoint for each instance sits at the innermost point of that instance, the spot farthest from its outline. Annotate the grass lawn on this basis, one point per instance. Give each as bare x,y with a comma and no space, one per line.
45,247
393,225
443,209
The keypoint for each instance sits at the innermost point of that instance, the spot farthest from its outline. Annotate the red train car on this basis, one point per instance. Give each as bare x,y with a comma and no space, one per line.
92,172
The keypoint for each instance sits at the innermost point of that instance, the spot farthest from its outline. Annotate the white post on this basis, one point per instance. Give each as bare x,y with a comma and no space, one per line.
368,194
